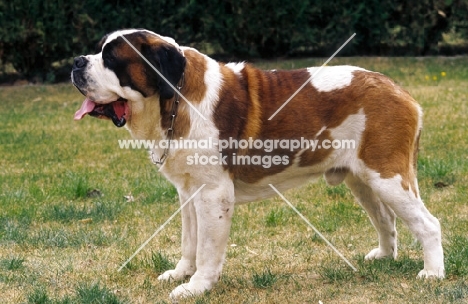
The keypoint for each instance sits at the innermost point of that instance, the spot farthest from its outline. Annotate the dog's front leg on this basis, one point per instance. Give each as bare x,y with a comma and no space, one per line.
214,207
186,265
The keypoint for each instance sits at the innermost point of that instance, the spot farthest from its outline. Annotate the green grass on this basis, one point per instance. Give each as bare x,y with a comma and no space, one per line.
13,263
84,293
39,296
158,262
66,225
265,279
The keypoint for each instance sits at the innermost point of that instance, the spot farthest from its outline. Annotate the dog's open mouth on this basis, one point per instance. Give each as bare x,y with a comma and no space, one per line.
117,111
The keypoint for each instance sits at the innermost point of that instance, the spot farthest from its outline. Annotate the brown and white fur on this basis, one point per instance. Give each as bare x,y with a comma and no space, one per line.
340,102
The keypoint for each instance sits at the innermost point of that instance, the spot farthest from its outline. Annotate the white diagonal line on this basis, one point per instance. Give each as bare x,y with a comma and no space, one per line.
311,77
160,228
162,76
312,226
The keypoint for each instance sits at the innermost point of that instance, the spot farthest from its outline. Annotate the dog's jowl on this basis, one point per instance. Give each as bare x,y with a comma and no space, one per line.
347,124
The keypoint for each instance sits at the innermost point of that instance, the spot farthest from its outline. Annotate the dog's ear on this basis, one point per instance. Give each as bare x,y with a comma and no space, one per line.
170,63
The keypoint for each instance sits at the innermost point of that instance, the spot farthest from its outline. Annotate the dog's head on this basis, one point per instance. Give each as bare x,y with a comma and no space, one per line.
123,71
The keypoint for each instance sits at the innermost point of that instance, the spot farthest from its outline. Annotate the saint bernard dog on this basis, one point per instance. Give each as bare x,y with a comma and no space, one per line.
237,103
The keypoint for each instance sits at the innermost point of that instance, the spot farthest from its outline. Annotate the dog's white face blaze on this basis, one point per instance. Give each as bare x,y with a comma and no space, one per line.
342,103
117,34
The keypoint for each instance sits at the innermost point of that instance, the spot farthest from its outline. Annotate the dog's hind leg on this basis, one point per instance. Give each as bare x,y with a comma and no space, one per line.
382,217
407,205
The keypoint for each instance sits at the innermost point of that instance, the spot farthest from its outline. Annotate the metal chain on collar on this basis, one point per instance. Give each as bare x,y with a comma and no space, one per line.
170,131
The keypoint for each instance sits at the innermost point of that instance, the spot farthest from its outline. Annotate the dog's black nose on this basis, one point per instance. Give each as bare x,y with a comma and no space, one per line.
79,62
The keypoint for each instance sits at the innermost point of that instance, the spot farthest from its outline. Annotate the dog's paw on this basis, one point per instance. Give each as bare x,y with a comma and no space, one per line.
192,288
183,269
172,275
431,274
378,253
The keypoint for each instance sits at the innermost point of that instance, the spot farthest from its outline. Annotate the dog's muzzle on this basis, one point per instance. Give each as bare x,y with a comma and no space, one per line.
116,110
78,73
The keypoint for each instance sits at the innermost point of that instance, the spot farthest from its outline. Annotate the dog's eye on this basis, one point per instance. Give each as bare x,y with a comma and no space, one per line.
108,57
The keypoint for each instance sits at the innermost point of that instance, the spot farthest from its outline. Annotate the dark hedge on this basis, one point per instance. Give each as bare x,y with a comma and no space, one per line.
35,34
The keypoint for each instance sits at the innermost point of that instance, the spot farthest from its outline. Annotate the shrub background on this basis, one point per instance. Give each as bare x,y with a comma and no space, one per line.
38,38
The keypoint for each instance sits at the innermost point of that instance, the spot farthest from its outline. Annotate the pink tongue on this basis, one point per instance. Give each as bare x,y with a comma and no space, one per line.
87,106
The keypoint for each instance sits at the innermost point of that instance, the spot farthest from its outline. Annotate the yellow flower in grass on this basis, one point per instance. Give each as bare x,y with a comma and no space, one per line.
443,74
434,78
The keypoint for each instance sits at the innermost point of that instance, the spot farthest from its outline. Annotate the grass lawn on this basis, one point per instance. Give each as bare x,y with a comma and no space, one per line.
66,225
